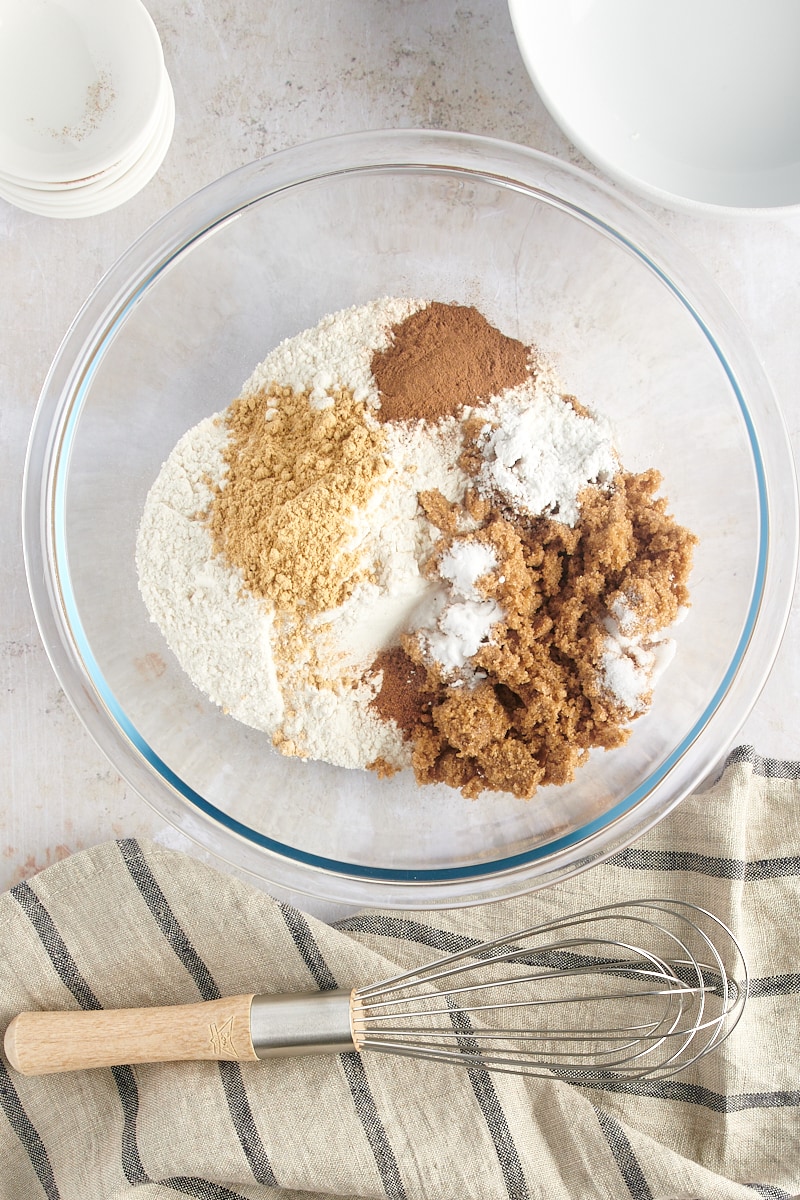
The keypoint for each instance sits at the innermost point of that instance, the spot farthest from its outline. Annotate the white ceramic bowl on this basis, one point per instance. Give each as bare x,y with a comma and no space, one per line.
694,104
140,147
109,189
80,82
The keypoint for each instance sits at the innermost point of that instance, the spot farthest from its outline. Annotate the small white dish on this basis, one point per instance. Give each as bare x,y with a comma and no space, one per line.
116,169
694,104
80,82
92,200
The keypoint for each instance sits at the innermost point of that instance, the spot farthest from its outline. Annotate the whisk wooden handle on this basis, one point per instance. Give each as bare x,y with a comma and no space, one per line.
40,1043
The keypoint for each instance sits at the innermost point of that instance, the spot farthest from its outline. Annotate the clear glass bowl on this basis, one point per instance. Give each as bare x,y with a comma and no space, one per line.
549,255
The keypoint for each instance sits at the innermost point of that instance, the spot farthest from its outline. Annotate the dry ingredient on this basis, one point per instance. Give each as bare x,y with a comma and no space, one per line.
547,686
293,478
443,359
404,546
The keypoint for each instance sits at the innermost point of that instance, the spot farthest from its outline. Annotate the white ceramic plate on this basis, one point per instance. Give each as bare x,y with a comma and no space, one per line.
694,103
79,85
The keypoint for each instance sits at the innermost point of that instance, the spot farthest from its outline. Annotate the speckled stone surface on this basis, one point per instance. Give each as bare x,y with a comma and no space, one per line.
250,78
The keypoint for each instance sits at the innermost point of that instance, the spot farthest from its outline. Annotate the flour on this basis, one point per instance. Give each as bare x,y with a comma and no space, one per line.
336,353
220,634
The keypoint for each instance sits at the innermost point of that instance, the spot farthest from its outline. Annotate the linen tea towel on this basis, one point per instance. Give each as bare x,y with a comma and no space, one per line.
129,923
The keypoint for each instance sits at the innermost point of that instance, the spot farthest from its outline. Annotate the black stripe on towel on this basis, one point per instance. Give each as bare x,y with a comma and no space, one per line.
55,946
692,1093
767,768
351,1063
372,1124
492,1109
308,949
74,981
637,859
27,1133
406,930
773,985
624,1157
230,1072
166,920
770,1192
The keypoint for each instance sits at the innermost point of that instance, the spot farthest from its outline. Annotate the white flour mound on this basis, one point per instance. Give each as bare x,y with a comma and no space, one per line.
336,353
538,455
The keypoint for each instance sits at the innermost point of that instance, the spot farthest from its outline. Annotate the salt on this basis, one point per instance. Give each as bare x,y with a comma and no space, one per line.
465,563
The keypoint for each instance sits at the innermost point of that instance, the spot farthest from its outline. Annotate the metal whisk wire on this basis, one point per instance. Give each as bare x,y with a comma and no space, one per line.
575,997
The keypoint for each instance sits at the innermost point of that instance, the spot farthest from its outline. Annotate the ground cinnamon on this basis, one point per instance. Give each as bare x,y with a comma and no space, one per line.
443,358
399,698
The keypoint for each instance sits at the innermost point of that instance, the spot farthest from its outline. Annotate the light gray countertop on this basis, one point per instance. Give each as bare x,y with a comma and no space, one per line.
251,78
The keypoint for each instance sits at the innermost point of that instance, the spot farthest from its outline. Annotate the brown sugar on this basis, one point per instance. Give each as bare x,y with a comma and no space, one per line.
443,358
294,477
540,705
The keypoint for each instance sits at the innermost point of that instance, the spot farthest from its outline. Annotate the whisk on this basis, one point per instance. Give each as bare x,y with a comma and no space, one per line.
618,992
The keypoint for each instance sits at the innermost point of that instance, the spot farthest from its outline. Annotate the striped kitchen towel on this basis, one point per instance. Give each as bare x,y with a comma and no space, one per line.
128,924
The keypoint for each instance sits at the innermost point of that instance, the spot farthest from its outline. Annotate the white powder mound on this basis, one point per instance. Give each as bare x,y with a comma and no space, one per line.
630,669
633,660
456,619
335,354
540,453
452,628
464,564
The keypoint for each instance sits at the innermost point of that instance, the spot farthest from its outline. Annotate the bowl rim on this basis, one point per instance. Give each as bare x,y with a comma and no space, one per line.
68,648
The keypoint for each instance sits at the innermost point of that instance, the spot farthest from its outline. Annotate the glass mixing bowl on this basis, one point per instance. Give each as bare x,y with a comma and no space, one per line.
551,256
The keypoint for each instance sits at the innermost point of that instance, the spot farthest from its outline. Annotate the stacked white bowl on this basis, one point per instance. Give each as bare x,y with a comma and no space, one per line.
86,106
